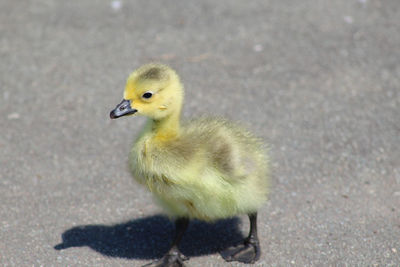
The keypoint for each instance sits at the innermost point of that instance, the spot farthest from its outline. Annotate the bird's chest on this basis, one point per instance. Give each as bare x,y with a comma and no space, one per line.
150,159
148,164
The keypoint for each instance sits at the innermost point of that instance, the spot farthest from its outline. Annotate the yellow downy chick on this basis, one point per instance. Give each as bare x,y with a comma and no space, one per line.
205,168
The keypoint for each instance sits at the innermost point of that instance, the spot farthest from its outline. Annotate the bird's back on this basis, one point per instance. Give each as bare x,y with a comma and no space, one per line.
229,148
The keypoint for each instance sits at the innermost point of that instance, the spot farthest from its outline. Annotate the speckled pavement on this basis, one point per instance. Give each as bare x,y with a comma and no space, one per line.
317,80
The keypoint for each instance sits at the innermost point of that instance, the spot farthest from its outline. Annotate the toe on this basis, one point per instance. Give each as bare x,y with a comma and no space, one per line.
242,253
169,260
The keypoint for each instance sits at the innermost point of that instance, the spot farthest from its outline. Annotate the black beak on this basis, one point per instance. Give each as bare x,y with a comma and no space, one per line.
122,109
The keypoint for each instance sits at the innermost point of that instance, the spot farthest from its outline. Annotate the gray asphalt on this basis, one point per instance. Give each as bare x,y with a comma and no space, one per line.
319,81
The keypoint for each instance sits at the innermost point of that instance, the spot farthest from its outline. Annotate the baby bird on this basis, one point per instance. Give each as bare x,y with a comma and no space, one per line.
206,169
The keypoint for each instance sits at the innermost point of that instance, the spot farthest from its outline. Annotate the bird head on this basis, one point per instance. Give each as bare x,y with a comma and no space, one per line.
153,90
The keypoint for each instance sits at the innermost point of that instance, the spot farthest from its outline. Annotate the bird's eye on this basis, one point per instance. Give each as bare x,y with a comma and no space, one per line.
147,95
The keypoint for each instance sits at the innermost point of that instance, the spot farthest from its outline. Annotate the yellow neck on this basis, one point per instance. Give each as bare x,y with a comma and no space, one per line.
167,128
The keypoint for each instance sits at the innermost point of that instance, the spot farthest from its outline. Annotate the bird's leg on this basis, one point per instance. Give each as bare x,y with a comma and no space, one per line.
249,251
174,258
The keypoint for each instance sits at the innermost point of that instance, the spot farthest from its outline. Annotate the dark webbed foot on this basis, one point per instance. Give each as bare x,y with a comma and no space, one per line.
247,252
174,258
171,259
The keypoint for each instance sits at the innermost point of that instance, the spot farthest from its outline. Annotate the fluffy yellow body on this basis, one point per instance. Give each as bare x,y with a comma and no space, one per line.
212,170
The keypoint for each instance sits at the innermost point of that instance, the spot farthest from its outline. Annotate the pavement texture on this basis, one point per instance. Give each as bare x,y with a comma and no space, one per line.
317,80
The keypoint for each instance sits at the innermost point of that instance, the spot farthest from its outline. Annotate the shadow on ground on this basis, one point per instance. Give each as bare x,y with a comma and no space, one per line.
150,237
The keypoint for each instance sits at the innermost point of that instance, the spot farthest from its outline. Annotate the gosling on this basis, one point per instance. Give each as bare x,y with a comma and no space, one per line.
206,168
